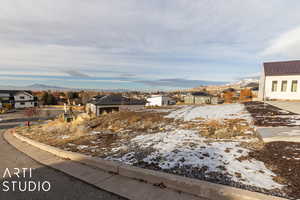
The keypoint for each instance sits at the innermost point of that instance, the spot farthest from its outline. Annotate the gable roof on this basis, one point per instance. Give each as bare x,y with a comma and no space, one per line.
13,92
229,90
251,85
200,94
115,99
24,93
282,68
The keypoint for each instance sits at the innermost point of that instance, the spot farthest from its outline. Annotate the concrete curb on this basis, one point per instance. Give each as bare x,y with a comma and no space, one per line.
195,187
105,165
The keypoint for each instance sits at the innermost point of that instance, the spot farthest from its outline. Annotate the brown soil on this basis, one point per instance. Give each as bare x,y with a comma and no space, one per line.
283,158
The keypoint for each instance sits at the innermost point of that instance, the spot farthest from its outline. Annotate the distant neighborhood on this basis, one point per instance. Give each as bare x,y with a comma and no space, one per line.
279,80
110,101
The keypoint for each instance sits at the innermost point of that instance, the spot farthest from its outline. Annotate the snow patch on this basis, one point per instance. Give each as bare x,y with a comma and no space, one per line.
186,148
81,147
225,111
64,137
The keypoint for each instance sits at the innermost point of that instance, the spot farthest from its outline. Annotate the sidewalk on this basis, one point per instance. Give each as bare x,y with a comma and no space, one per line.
62,185
288,134
272,134
286,105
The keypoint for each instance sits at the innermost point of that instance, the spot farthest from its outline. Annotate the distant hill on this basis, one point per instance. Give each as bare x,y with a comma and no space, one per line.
245,82
239,84
33,87
43,87
46,87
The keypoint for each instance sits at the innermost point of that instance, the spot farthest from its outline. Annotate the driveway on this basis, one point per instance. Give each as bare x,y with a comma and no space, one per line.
286,105
13,119
282,133
62,186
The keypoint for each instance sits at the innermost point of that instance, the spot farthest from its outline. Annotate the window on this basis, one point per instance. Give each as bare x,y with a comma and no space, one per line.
283,86
274,86
22,97
294,86
22,103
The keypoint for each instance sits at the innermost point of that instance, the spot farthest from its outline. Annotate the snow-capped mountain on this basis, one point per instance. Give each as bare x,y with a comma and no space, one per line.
245,82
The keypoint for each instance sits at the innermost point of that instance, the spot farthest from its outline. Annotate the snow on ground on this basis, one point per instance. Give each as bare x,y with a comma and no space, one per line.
295,119
186,149
223,111
64,137
80,147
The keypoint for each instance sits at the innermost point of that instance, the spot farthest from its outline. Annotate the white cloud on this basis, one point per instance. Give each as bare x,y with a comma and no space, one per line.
167,39
287,44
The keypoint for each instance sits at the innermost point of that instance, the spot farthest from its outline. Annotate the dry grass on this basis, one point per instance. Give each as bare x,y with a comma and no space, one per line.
116,129
112,129
134,121
227,129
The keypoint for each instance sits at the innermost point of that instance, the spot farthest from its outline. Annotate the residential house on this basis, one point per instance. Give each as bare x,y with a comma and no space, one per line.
253,87
114,102
160,100
200,98
280,80
17,99
235,93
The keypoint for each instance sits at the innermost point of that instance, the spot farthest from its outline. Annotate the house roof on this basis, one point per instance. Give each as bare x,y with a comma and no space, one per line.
114,99
229,90
13,92
282,68
251,85
200,94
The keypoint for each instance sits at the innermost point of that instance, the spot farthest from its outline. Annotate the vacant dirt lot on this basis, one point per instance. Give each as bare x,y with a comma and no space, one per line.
214,143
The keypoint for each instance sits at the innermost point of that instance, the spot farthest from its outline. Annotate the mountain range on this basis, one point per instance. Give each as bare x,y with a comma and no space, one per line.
43,87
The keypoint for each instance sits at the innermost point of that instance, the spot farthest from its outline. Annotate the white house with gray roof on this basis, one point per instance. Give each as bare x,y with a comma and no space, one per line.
280,80
18,98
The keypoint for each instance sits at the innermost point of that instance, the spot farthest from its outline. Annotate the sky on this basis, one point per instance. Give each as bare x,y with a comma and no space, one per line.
142,44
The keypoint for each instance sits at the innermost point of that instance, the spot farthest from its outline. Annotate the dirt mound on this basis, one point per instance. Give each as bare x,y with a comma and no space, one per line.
130,121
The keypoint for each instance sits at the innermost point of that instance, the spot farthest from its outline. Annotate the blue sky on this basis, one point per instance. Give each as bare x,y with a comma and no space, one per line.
143,44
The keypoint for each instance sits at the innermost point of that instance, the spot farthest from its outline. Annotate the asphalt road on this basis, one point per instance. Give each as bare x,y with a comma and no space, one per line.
62,186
